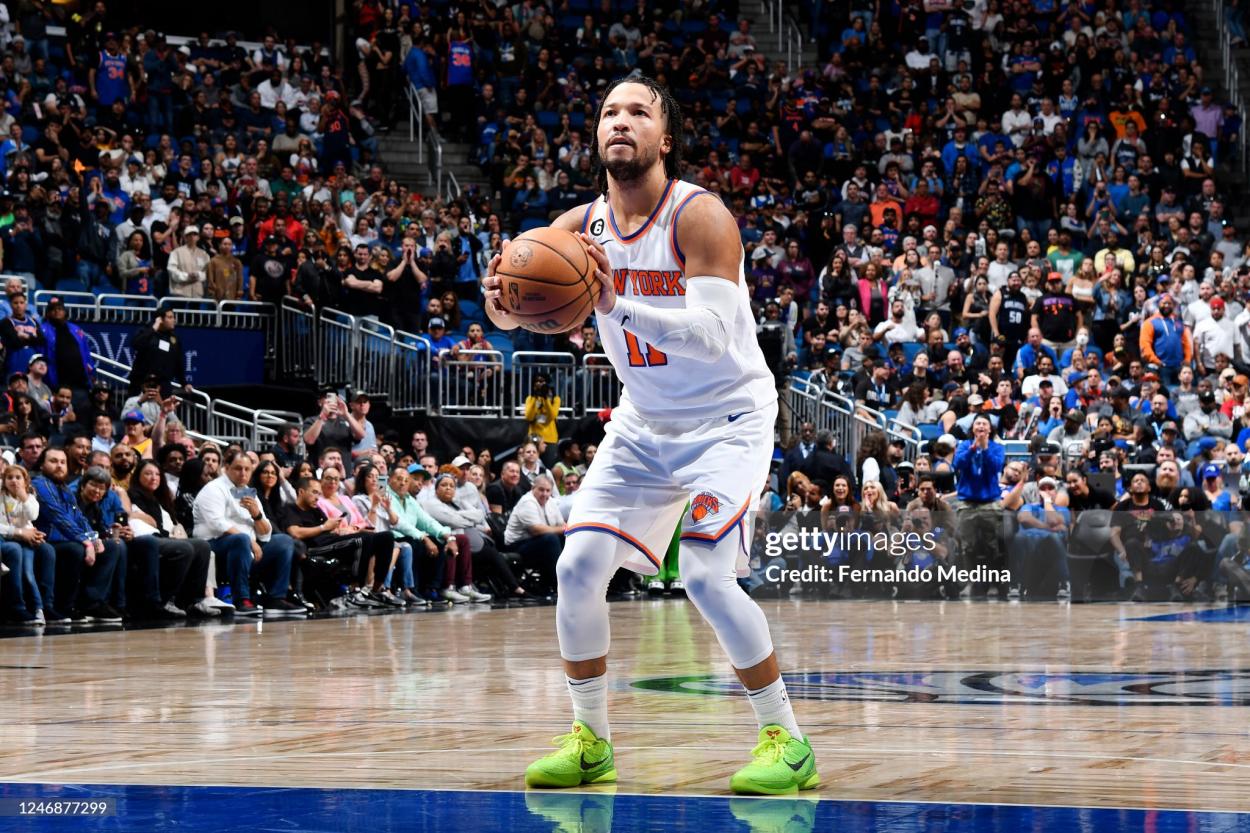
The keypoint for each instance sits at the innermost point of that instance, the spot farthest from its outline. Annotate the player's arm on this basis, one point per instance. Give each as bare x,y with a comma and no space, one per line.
708,235
570,220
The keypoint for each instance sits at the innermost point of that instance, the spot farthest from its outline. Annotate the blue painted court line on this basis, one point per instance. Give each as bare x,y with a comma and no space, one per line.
1238,613
159,808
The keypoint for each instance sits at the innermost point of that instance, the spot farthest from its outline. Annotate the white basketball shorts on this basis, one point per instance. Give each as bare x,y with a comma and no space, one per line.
645,473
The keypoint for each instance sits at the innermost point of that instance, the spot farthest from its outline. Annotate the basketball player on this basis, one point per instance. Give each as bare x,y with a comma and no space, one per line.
694,424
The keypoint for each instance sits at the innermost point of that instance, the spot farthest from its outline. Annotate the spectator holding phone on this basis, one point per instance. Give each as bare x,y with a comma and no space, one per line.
333,427
229,516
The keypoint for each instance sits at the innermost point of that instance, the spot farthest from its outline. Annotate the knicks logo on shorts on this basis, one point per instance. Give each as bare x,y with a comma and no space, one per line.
704,504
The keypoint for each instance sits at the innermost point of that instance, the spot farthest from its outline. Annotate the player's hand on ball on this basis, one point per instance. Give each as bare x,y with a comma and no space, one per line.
492,291
603,271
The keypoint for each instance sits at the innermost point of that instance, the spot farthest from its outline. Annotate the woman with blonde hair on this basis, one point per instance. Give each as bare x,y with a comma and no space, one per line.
30,559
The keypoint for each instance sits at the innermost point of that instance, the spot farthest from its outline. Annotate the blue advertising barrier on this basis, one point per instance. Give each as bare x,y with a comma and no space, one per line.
214,357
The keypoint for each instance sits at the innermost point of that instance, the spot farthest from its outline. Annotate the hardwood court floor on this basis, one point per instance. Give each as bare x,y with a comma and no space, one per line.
1047,705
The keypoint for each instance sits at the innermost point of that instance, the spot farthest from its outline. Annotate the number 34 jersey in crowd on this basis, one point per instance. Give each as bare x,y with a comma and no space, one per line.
648,267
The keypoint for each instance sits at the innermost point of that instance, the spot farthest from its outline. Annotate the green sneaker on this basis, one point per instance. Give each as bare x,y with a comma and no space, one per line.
782,765
582,758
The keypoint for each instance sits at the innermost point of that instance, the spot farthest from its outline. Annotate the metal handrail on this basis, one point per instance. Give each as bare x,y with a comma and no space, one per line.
416,120
1232,73
202,415
147,304
794,47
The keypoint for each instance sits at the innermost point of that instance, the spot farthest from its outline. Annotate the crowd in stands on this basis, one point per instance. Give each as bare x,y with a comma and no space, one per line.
980,214
149,525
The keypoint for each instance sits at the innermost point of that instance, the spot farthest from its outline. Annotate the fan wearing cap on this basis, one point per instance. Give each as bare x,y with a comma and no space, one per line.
66,348
1056,315
1213,487
1074,430
134,425
188,266
1213,335
437,335
270,272
1234,404
1039,547
36,388
1208,420
367,443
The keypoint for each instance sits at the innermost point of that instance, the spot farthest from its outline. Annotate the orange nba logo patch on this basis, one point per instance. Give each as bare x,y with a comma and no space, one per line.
704,504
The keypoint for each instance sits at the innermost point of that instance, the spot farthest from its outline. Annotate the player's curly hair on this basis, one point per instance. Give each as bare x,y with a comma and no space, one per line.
672,118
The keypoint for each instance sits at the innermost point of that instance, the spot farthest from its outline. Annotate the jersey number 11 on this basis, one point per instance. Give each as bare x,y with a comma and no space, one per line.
643,355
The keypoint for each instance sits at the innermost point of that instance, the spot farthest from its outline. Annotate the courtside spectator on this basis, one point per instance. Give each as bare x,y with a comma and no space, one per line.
228,516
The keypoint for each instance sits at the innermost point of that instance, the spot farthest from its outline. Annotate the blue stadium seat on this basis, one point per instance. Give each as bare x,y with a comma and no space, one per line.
930,432
30,134
911,349
891,414
693,27
570,22
72,285
501,341
471,311
577,119
547,119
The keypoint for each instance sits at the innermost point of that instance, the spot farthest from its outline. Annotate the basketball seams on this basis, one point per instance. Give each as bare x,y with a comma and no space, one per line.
562,255
585,275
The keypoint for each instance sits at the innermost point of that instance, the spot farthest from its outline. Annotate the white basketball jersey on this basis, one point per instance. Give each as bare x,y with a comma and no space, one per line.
648,267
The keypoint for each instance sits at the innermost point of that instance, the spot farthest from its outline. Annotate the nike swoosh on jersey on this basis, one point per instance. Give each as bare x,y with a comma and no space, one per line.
624,320
799,765
733,417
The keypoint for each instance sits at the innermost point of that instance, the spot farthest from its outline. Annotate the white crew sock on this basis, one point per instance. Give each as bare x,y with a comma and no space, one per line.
772,706
590,703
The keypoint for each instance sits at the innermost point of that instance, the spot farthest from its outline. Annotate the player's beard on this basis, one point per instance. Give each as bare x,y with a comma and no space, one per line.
634,168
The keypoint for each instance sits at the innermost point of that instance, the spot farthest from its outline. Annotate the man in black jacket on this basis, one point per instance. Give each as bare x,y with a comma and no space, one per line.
799,452
158,352
824,463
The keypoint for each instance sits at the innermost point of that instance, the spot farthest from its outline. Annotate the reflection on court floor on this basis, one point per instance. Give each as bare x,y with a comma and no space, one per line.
144,808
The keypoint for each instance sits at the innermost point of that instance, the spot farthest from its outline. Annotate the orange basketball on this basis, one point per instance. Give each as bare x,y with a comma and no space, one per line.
548,281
